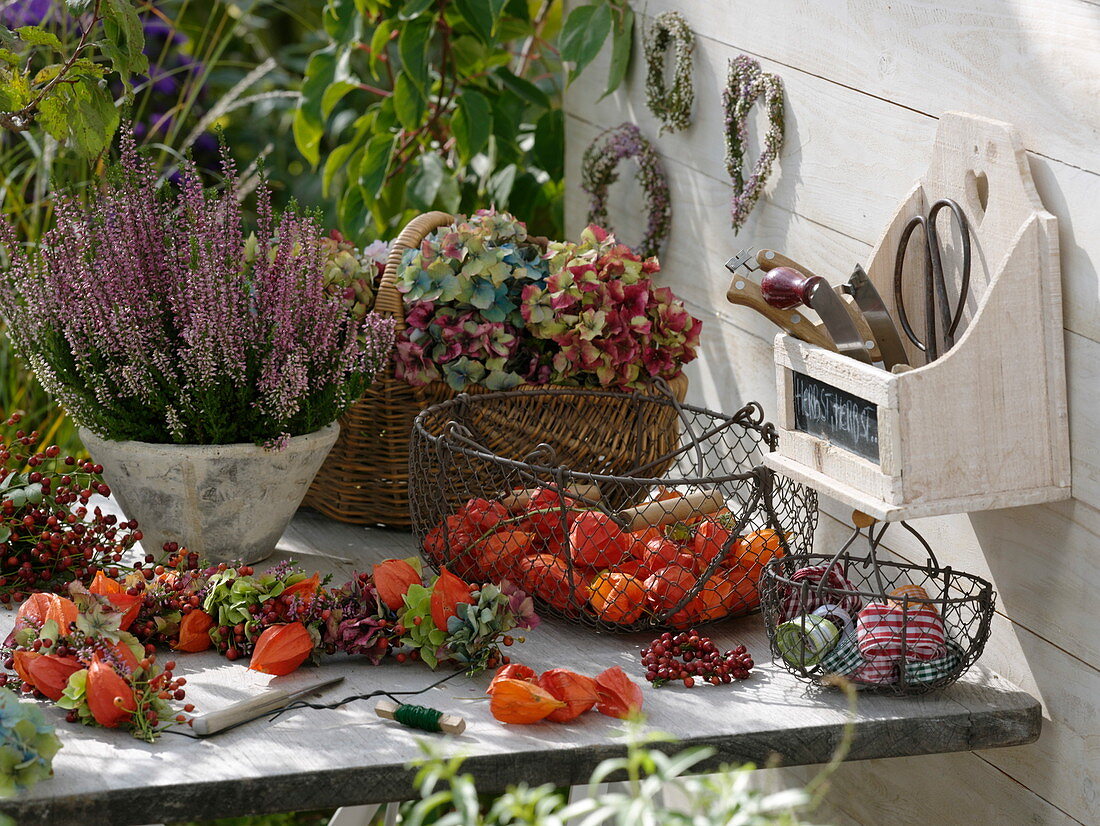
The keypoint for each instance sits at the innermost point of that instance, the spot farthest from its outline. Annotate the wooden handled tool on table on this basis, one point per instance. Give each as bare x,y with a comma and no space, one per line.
266,702
667,511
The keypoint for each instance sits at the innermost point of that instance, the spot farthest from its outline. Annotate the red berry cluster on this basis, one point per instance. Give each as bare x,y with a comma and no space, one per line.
168,589
689,657
48,538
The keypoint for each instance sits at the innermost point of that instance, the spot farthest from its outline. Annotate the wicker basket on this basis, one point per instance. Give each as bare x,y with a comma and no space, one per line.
365,479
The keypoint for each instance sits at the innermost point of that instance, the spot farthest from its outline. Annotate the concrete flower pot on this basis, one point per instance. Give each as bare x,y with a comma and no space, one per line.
225,502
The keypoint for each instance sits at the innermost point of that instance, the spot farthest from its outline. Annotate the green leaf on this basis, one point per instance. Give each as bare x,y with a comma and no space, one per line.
549,148
81,113
309,123
10,57
14,91
583,35
621,40
469,54
376,163
496,9
500,185
424,184
479,15
334,94
378,41
124,38
409,103
413,9
472,124
525,89
450,196
342,21
340,157
412,45
37,36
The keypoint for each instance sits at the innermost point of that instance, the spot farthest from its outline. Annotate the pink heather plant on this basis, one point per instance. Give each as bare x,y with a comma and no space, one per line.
147,318
612,325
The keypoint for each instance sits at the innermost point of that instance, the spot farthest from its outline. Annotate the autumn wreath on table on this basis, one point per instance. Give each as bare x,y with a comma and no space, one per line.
93,652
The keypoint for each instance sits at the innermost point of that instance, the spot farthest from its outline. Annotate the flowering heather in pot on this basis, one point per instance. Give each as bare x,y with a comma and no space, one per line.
611,325
145,315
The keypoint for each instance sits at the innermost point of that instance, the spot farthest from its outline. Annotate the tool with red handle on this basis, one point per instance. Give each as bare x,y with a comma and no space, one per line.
786,288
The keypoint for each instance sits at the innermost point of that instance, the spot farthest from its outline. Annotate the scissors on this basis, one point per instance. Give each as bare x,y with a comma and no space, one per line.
935,286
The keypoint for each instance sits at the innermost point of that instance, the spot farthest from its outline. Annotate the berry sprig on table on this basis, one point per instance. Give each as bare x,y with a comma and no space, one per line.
48,535
688,656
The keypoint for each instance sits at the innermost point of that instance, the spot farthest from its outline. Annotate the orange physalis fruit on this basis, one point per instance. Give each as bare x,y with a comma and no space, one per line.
547,577
710,541
281,649
126,654
597,541
38,608
129,604
50,673
305,587
21,663
521,702
448,593
757,549
512,671
392,579
619,696
110,697
575,690
103,584
498,553
617,597
195,631
667,586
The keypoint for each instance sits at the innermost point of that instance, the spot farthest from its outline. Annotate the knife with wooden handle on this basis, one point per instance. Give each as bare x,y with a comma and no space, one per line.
770,259
266,702
787,288
745,290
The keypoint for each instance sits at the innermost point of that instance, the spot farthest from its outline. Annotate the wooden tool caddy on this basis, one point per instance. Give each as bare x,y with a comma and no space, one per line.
984,426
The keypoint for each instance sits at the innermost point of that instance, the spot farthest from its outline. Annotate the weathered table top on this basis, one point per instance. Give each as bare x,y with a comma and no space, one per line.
312,759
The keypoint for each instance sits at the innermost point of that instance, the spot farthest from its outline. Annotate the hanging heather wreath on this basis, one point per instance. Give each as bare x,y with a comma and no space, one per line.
672,106
599,169
747,83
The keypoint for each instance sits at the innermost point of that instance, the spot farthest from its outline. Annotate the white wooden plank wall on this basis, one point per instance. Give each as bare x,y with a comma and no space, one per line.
865,83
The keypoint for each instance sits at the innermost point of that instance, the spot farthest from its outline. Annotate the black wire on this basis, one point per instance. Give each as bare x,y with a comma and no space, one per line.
297,704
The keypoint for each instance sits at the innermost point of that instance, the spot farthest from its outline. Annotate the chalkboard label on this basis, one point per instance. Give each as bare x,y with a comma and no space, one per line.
830,413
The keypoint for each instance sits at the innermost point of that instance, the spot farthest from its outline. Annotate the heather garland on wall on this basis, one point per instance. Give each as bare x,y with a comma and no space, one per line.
150,318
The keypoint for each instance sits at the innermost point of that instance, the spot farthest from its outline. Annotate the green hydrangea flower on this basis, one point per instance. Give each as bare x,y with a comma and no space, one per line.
27,744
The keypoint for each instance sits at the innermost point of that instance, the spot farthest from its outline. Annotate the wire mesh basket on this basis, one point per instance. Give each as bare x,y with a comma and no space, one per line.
889,626
676,536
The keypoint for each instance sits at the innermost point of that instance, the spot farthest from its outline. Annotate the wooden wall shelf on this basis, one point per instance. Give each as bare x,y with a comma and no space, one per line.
984,426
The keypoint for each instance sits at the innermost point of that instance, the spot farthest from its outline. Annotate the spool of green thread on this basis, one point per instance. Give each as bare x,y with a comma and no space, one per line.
420,717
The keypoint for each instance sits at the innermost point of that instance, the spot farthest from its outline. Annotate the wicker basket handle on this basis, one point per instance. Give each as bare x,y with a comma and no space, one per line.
389,299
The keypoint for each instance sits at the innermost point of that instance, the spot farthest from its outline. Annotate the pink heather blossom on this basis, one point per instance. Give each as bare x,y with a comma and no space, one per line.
150,317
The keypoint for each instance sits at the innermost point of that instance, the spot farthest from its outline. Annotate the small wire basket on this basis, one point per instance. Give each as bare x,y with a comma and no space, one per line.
887,626
661,517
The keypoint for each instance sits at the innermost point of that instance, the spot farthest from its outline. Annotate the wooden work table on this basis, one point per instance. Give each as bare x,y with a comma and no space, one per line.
313,759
